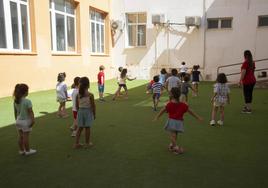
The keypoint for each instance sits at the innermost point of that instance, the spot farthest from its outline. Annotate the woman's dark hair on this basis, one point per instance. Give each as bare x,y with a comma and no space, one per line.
163,71
123,73
221,78
186,78
20,91
156,79
249,58
174,72
61,77
175,93
83,85
76,82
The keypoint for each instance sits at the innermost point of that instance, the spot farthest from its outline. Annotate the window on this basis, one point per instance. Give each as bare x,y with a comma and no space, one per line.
97,24
14,25
219,23
262,21
62,23
136,29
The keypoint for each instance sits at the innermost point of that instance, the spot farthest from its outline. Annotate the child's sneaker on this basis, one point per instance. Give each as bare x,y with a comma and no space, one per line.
30,152
73,134
178,150
212,122
220,122
170,147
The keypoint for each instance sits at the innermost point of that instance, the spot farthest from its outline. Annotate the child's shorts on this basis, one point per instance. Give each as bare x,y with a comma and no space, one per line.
101,88
218,104
85,117
123,86
24,125
61,100
174,125
75,114
156,95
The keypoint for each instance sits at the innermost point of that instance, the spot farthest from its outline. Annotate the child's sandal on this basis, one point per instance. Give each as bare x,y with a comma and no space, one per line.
170,147
178,150
77,146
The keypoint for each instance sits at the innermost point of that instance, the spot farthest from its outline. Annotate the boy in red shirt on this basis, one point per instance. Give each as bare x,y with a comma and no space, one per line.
101,82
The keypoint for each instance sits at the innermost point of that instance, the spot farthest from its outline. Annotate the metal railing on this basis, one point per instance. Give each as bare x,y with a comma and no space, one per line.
236,73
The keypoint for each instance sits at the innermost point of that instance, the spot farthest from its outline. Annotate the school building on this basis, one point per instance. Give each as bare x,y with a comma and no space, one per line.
40,38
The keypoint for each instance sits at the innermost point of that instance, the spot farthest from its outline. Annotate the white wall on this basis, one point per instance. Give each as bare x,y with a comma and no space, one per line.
169,48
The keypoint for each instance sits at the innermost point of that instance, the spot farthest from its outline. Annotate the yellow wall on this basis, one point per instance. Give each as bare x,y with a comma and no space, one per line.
39,69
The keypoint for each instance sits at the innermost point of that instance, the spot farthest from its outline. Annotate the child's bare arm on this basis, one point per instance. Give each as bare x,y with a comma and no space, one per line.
31,113
162,111
213,97
15,112
199,118
92,101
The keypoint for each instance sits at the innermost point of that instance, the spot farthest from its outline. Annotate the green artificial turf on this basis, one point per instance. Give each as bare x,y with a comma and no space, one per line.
130,150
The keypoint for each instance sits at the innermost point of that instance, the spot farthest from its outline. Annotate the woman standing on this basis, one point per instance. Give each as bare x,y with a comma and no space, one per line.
248,80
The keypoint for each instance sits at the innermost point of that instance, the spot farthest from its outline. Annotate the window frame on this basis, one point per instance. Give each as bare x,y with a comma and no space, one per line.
136,24
98,24
53,12
8,27
219,23
259,17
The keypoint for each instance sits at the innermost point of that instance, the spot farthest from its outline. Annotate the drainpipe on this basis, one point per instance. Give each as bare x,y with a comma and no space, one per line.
205,30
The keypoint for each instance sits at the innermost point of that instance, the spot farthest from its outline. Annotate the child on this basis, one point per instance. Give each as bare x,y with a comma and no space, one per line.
183,70
174,125
157,86
75,87
173,80
122,83
101,83
220,98
195,79
185,85
24,118
86,111
118,78
163,76
62,96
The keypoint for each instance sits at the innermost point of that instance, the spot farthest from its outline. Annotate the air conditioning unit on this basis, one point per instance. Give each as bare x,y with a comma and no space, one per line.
192,21
158,19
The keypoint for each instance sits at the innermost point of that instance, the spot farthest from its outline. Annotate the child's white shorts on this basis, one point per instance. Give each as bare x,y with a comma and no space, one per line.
218,104
24,125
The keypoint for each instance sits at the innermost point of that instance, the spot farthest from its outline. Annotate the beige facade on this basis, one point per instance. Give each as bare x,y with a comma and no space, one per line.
39,67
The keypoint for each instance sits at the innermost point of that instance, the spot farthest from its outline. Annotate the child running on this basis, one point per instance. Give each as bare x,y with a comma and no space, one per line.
62,95
163,76
86,112
101,83
220,98
122,83
174,125
75,87
157,87
195,79
185,85
24,118
173,80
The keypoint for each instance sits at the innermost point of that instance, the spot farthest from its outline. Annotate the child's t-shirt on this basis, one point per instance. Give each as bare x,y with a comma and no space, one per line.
61,88
173,81
185,87
101,78
176,110
22,109
162,78
195,75
74,95
183,68
157,86
221,91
